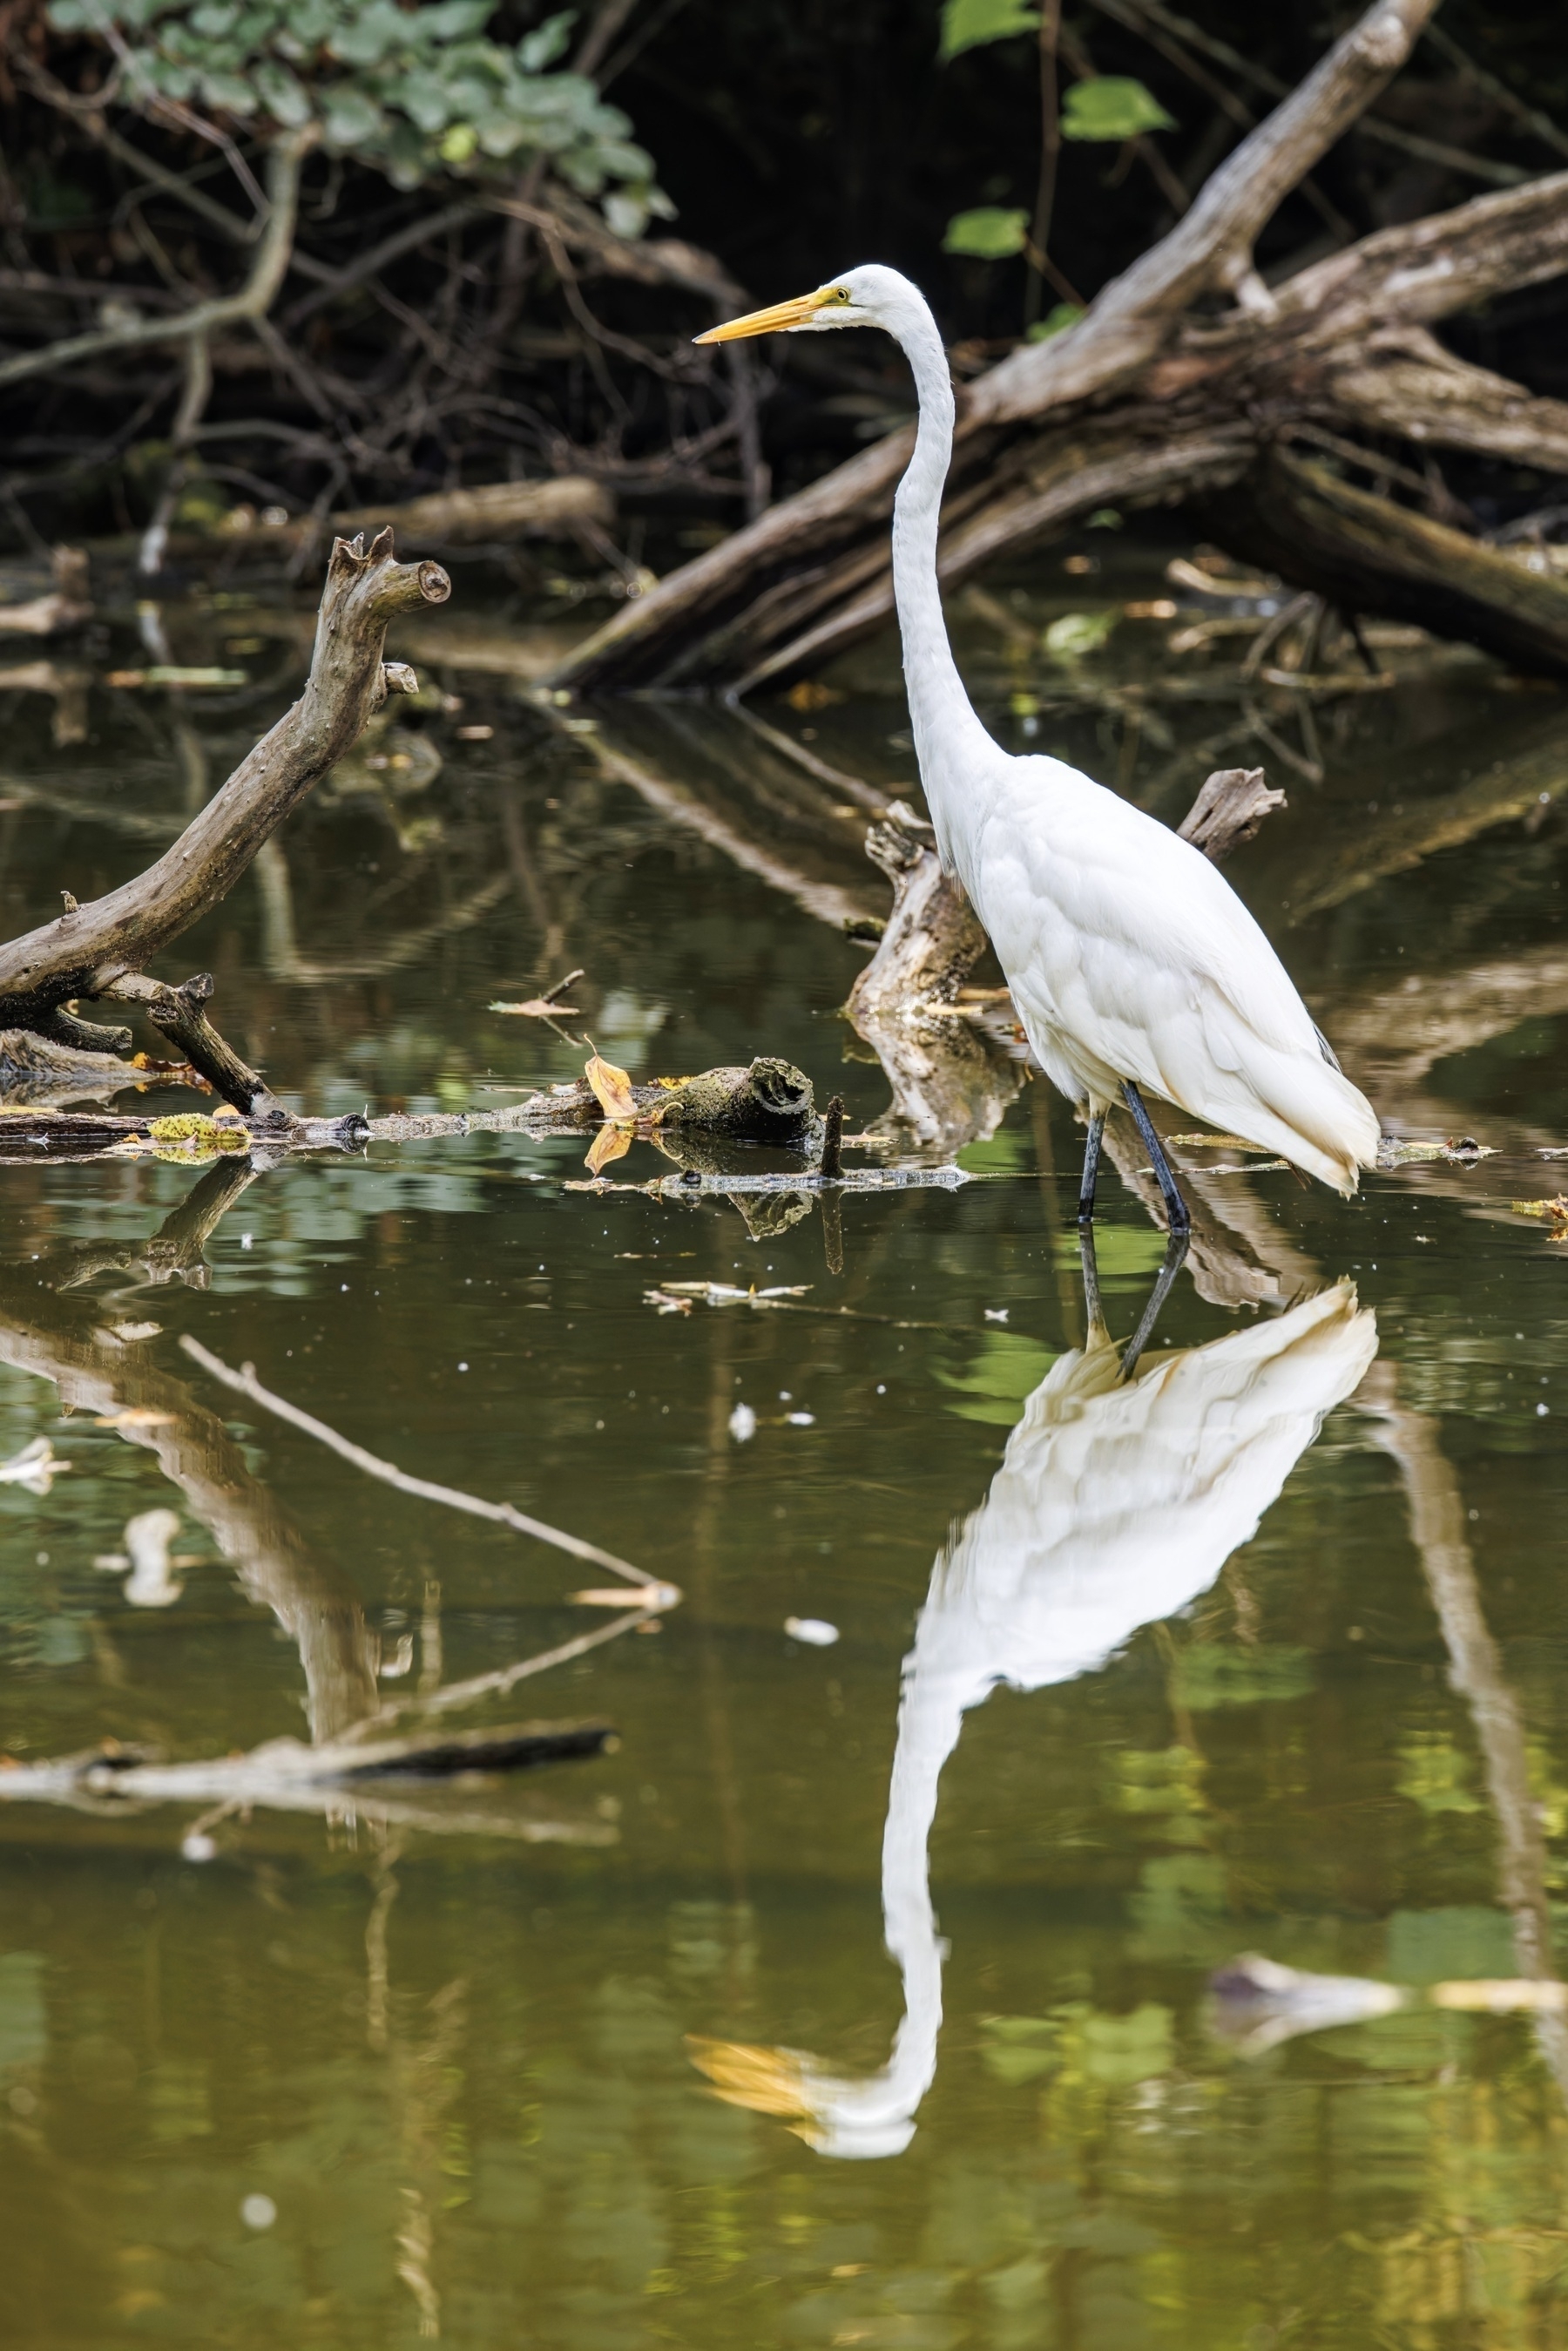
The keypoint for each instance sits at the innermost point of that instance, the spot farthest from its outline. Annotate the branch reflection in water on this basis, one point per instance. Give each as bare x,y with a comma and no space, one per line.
1118,1503
50,1327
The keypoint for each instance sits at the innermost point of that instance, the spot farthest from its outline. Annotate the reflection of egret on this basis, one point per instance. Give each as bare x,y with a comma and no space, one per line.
1132,962
1115,1505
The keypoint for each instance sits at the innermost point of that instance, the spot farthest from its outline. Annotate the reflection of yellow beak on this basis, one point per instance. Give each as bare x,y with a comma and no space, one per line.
782,315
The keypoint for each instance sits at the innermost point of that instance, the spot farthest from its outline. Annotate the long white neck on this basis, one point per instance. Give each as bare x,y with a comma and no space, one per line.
950,741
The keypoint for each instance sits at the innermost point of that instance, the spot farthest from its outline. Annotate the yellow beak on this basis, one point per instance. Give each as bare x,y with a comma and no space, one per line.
782,316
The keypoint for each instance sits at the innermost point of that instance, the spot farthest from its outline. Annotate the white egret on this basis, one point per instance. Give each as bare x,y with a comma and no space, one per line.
1117,1503
1134,966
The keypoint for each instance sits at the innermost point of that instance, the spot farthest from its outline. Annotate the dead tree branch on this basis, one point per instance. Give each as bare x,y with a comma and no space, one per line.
1151,397
99,949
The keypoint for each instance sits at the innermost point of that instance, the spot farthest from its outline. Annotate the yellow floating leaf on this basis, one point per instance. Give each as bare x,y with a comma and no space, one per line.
609,1142
1554,1212
612,1089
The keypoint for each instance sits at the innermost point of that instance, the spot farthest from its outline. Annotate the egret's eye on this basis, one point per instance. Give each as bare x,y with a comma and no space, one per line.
842,294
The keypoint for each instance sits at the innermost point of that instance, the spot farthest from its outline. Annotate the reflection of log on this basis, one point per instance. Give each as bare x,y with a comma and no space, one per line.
1522,784
1438,1529
1183,369
637,757
67,606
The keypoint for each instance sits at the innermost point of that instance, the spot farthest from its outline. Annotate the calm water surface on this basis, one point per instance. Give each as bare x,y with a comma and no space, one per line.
1262,1652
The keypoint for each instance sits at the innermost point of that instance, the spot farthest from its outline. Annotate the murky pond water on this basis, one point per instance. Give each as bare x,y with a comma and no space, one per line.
1264,1651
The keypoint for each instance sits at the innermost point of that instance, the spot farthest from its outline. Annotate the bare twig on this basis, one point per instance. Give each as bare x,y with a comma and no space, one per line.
203,318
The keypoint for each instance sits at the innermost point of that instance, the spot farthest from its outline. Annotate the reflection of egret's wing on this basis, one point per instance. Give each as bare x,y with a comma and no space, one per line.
1115,1506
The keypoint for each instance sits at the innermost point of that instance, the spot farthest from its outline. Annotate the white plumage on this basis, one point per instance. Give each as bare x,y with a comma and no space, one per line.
1116,1504
1130,958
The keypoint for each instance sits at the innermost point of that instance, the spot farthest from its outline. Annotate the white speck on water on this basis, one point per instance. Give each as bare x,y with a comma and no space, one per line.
1541,1410
996,1313
198,1846
258,2211
881,1388
742,1423
801,1419
814,1631
244,1240
784,1396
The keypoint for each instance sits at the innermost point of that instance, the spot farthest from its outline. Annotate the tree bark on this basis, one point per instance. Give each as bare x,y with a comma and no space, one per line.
1152,397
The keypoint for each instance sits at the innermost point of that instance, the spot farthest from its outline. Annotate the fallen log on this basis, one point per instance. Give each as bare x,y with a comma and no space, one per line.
557,509
1186,371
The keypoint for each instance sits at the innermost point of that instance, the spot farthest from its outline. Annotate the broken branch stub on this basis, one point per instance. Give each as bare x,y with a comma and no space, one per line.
1229,809
93,950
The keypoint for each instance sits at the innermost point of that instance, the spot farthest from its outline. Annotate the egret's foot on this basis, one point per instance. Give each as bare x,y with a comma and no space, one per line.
1175,1206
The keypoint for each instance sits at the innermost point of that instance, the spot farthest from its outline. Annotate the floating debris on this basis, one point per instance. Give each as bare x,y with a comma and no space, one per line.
1462,1154
1552,1212
742,1423
35,1466
816,1632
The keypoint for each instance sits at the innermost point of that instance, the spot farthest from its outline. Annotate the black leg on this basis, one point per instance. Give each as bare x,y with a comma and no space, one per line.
1091,1167
1175,1206
1094,1315
1174,1252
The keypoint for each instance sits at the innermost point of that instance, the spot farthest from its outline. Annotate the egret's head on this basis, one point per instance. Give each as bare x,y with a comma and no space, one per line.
871,296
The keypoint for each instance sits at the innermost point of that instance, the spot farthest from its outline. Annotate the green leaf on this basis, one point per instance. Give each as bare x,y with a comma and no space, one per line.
1077,634
1112,106
352,118
990,233
544,44
970,24
458,145
281,94
1054,322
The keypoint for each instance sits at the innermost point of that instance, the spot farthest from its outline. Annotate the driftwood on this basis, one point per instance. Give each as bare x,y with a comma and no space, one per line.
1185,379
98,950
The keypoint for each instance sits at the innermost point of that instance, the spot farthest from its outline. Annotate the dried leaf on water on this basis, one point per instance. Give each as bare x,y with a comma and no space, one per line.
538,1007
139,1416
1554,1212
609,1142
665,1303
612,1089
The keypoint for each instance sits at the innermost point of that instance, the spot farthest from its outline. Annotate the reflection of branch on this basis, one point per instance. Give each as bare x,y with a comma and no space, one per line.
96,1373
662,1595
1436,1529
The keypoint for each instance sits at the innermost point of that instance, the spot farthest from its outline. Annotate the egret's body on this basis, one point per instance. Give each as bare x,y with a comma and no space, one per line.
1132,962
1117,1503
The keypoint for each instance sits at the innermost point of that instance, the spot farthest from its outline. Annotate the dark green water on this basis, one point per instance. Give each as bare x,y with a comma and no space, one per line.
451,2053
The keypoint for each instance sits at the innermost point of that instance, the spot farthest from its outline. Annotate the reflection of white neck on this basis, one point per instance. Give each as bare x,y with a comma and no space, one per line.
1114,1507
